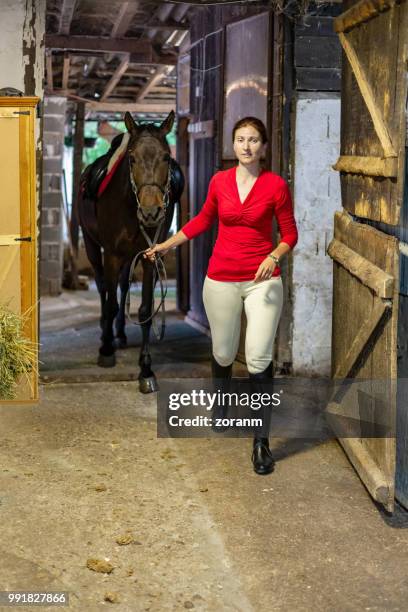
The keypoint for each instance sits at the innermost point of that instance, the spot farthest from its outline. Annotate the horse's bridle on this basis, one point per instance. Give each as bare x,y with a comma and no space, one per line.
158,260
164,190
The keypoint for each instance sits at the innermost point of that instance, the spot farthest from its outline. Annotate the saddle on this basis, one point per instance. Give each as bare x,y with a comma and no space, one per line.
96,176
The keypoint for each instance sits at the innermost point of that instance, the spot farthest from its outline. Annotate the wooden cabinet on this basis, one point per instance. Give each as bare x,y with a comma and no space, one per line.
18,222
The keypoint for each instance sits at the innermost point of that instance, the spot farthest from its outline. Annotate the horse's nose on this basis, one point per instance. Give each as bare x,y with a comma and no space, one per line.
151,216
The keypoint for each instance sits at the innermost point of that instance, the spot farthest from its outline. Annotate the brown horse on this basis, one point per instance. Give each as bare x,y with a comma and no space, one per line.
138,202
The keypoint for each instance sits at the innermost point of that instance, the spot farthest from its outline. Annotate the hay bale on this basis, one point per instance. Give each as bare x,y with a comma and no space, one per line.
17,353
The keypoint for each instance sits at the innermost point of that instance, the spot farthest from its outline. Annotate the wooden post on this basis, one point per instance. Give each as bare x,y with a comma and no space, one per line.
183,253
78,150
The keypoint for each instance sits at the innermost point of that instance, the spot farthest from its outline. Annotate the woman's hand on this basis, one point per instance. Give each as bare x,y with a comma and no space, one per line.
265,270
157,248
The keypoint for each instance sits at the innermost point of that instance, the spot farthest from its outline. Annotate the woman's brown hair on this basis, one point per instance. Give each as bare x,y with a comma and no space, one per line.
255,123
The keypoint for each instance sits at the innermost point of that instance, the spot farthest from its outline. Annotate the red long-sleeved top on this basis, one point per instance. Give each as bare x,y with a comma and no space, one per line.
245,229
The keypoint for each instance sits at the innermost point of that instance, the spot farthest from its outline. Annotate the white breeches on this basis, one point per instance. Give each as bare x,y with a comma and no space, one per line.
223,302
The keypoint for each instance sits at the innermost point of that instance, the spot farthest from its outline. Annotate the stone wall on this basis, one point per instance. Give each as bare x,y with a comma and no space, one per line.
52,204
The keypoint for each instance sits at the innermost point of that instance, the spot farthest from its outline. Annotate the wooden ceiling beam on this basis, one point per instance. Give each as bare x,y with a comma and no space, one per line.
124,18
65,71
164,25
67,12
141,51
162,59
114,80
99,43
132,107
147,87
50,74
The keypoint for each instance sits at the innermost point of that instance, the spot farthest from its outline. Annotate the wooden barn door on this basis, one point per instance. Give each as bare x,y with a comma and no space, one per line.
373,34
18,224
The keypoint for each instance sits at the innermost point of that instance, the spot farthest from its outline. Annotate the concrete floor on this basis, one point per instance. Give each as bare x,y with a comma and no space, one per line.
85,467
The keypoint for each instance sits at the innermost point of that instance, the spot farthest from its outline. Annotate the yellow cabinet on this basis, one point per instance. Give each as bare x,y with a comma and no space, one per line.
18,223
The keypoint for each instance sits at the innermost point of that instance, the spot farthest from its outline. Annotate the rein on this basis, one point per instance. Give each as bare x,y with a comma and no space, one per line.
160,268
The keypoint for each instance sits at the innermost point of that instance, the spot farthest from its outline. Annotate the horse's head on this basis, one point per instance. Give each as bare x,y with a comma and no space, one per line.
149,165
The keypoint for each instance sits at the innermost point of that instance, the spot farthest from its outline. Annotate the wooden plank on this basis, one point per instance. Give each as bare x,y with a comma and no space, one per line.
50,76
150,84
67,13
168,24
29,250
369,166
317,51
370,275
122,107
6,269
124,18
8,239
360,13
117,75
378,484
183,253
100,43
363,195
368,96
65,72
361,340
77,170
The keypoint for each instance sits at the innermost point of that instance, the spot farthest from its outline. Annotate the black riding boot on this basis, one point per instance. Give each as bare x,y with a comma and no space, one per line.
262,460
221,374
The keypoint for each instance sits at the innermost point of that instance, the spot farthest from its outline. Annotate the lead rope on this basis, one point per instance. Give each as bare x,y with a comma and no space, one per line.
163,289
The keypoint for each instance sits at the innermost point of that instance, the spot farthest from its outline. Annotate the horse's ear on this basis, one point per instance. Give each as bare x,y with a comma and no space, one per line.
130,123
168,123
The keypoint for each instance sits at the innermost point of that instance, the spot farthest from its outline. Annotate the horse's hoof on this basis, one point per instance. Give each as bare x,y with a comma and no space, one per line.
121,342
148,385
107,361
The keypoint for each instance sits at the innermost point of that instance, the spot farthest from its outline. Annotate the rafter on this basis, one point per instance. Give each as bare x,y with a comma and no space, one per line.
67,12
147,87
50,76
124,18
169,24
65,71
117,75
132,107
141,51
99,43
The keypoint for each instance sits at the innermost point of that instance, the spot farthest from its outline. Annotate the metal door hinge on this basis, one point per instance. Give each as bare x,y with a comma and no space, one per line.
21,112
25,239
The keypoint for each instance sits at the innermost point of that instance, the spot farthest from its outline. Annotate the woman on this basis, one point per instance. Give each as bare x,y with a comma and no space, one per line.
243,270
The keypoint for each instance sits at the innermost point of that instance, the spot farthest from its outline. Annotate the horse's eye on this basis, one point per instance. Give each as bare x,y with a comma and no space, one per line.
132,158
166,157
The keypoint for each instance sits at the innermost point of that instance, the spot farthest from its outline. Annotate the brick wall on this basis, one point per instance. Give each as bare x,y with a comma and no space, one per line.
51,251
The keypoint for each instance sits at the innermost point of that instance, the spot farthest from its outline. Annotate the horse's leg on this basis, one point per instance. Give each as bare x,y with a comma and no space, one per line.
147,379
120,317
94,254
112,265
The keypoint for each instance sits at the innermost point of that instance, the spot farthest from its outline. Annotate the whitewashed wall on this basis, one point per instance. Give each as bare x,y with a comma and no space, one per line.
22,45
22,28
317,197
